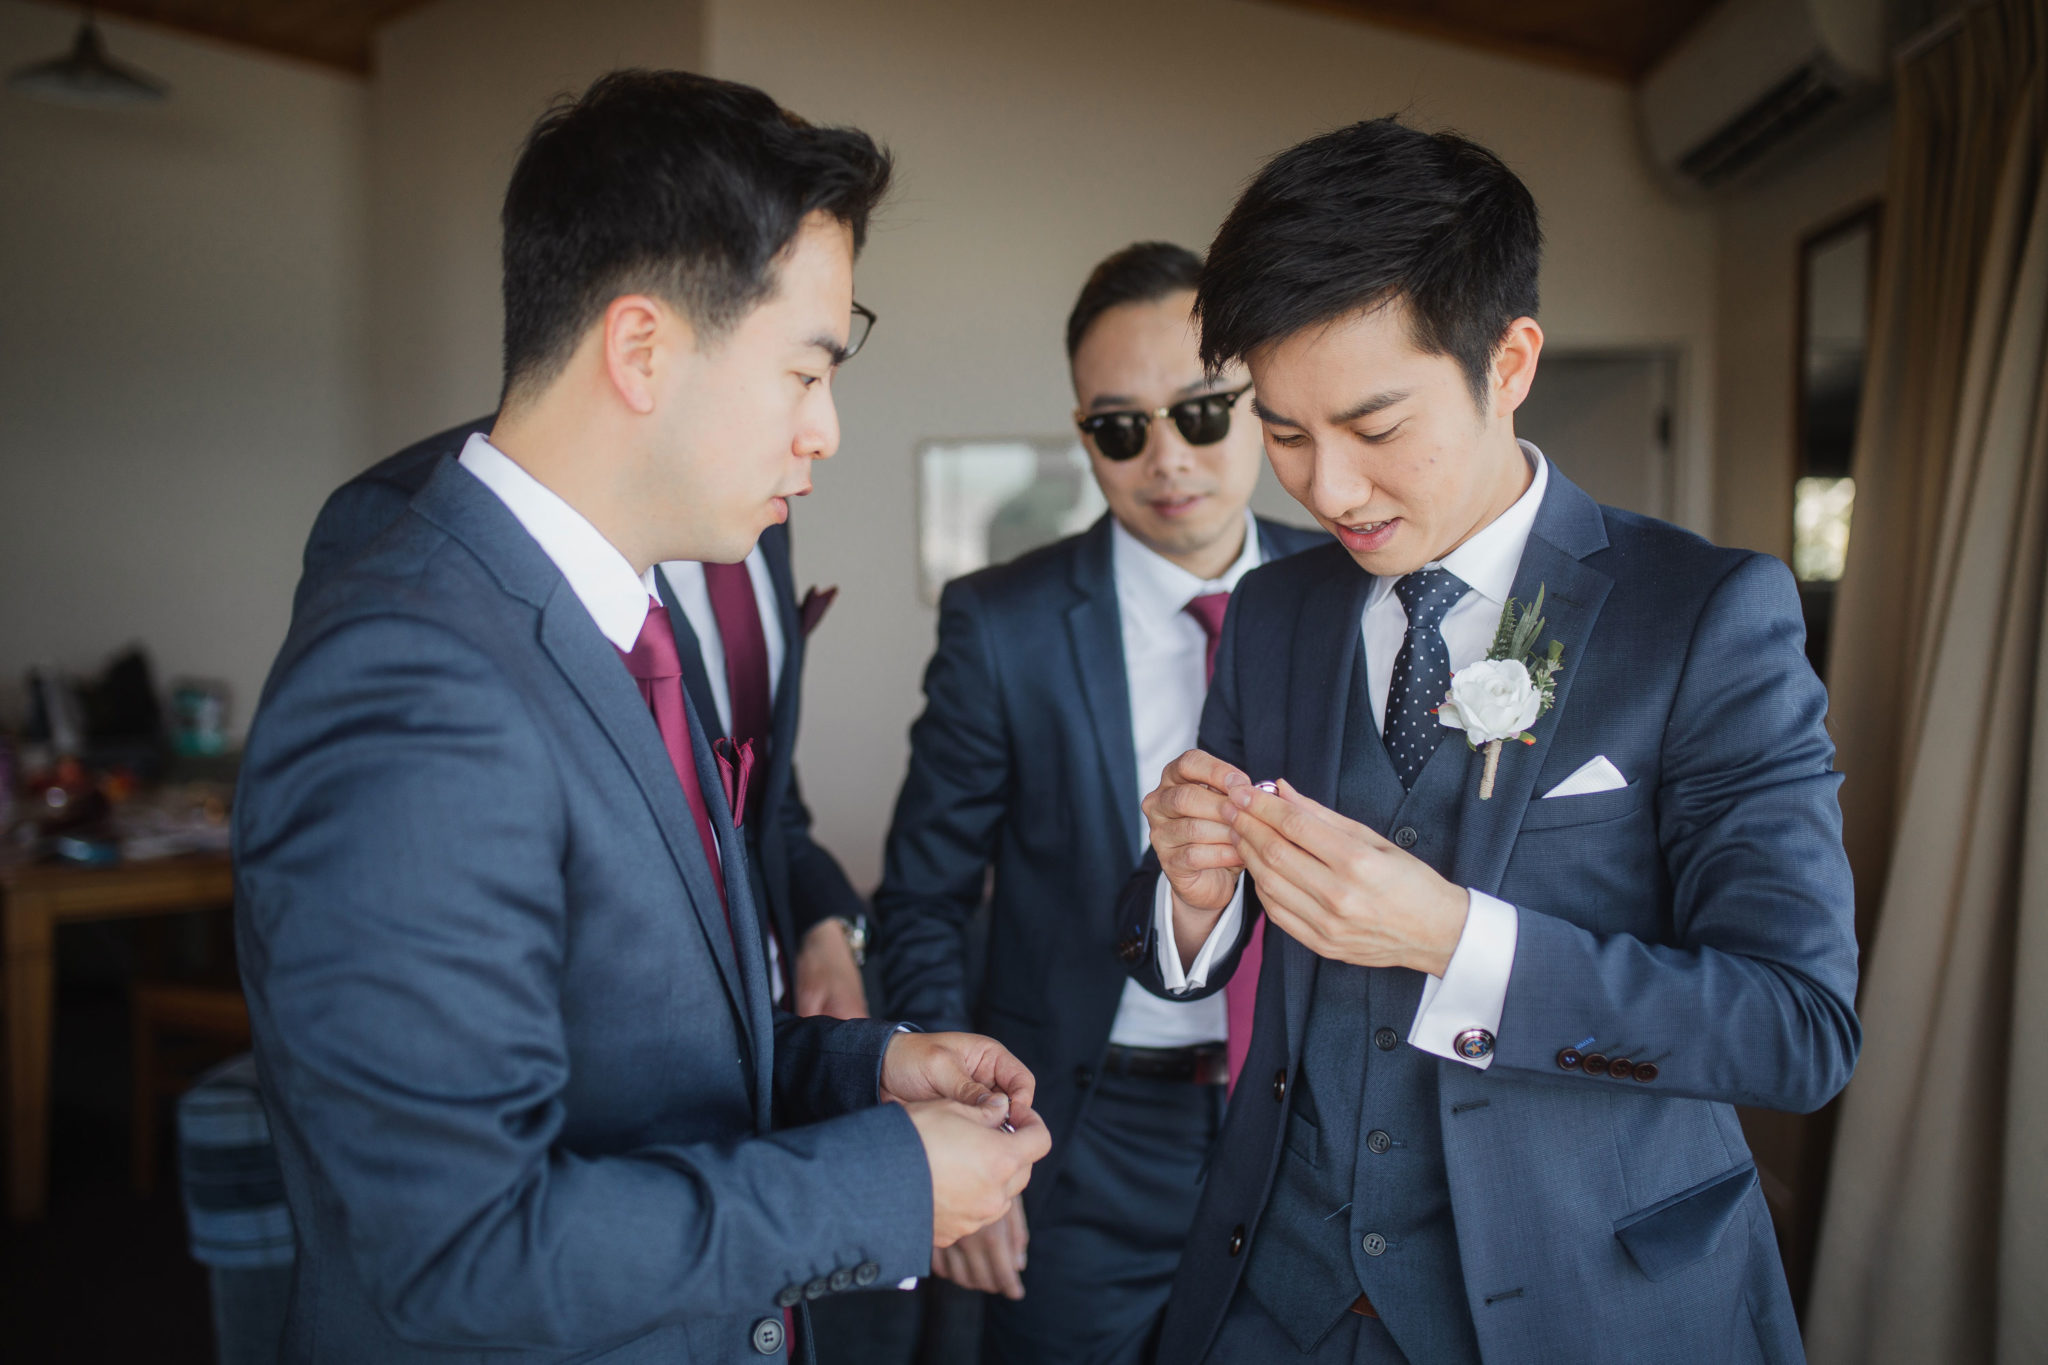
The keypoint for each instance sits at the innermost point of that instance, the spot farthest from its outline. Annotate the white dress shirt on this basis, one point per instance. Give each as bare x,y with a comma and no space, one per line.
1166,673
686,580
1473,989
601,577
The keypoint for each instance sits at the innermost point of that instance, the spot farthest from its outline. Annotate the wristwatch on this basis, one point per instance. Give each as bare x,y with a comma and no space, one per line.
856,936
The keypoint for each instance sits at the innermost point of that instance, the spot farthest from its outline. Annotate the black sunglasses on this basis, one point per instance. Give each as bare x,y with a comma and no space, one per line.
1201,421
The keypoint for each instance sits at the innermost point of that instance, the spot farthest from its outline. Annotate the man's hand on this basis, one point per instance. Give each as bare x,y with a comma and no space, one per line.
964,1067
961,1090
991,1260
1346,893
978,1170
1190,813
827,978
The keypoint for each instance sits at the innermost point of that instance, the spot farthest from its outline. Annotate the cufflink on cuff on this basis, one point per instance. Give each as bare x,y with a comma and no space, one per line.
1473,1044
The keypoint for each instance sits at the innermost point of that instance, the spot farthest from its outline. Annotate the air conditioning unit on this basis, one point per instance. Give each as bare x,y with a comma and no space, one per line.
1756,78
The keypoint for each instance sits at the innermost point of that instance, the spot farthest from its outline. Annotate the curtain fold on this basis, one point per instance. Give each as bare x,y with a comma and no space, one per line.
1933,1244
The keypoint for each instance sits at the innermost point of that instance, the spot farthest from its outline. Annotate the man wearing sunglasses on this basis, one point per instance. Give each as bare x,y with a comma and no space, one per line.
1062,685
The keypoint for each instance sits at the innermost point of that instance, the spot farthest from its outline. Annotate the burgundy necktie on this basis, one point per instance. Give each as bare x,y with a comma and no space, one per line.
658,669
746,652
1241,992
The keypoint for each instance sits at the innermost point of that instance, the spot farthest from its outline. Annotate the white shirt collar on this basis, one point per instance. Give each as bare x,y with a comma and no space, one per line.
1149,583
1487,563
602,578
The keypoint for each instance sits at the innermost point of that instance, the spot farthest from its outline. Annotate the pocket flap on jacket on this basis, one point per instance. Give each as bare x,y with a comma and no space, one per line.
1673,1233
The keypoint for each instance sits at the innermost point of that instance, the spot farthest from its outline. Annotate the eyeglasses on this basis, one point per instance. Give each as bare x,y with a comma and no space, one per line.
1201,421
857,335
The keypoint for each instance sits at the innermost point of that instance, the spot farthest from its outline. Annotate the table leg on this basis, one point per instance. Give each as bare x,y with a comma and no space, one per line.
31,971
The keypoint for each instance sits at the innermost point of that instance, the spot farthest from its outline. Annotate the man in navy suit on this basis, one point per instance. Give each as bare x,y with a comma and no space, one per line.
531,1098
1508,1004
1062,684
810,912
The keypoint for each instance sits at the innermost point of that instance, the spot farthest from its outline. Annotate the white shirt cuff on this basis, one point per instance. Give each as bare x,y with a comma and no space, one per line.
1473,990
1220,940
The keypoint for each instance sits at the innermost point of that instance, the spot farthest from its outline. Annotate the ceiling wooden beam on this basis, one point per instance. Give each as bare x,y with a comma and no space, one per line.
330,33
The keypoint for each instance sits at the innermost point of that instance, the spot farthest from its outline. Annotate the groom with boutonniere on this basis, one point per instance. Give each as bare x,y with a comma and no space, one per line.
1538,803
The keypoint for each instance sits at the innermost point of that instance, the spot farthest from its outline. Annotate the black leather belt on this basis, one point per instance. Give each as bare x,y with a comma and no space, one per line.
1208,1064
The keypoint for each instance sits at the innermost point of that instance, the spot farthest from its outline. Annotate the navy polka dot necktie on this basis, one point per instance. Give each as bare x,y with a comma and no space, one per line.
1422,671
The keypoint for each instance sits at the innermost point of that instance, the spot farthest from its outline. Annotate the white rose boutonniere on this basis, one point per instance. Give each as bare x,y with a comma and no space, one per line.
1499,697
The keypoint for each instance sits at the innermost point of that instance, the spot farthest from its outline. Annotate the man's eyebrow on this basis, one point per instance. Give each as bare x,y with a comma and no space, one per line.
1368,407
1266,414
1111,400
830,346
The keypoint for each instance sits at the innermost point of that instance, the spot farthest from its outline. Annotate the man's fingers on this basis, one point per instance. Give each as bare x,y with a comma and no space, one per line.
1187,802
1277,853
1319,813
1303,826
1192,833
1206,769
1206,857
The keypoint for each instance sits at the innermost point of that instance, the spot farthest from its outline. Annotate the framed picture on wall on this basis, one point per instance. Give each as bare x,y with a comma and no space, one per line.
986,500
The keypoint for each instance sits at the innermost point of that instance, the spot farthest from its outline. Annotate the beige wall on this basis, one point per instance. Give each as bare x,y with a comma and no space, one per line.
1034,139
1758,292
457,85
180,352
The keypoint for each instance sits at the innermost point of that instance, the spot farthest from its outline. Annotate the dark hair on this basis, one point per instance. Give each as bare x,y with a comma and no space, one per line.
671,183
1143,272
1365,215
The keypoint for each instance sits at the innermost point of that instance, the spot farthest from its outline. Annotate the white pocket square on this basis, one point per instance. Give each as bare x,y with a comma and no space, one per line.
1596,776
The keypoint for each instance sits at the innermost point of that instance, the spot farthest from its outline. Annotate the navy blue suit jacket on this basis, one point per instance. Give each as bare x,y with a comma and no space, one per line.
1699,918
1023,762
529,1096
805,884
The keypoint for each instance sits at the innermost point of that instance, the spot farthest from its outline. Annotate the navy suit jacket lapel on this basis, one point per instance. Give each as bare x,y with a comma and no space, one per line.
788,687
1325,651
743,916
460,504
1569,527
695,680
1095,628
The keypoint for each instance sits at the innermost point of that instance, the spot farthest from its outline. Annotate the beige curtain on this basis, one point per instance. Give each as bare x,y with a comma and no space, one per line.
1934,1239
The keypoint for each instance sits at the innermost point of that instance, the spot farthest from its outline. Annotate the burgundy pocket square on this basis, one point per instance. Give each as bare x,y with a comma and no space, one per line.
735,767
811,611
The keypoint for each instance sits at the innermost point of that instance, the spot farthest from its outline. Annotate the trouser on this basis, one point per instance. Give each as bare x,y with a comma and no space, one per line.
1106,1242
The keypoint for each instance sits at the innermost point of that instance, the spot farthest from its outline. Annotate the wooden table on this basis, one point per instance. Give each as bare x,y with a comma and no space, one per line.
34,899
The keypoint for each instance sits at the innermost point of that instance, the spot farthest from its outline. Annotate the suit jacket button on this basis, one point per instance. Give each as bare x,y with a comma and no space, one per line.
1621,1068
1237,1239
1646,1072
1378,1142
866,1273
1280,1084
1385,1039
816,1288
1569,1059
1406,836
839,1281
1596,1063
790,1297
767,1338
1374,1244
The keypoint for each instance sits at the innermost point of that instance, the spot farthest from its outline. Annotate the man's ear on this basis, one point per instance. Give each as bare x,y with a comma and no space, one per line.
1514,365
640,336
